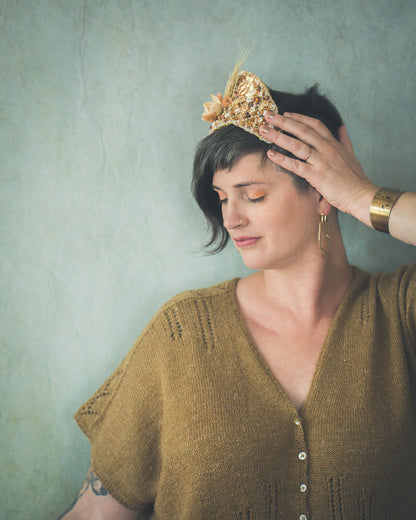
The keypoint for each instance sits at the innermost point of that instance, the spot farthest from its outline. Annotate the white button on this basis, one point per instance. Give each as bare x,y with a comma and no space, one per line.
302,455
303,517
303,488
298,422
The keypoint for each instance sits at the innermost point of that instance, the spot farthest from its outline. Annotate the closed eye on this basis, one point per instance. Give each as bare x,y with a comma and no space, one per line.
256,199
224,200
249,197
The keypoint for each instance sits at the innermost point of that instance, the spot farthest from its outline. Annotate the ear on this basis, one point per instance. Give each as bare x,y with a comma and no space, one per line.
324,206
345,140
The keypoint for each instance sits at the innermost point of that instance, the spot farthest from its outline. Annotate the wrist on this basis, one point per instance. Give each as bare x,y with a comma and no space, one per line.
363,200
381,206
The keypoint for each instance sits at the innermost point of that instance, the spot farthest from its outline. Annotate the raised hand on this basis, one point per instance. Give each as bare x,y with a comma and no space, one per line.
329,165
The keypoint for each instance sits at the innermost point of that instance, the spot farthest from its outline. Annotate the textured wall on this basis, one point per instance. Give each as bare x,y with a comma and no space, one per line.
100,105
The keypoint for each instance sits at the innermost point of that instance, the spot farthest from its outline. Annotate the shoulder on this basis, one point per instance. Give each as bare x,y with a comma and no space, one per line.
390,298
400,284
172,340
222,291
392,295
191,311
402,279
399,290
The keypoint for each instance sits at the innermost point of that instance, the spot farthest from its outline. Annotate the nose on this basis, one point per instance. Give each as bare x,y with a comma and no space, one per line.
232,218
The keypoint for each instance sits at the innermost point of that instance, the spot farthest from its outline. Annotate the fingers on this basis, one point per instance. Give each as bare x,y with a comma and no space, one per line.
307,135
296,147
294,165
327,163
306,128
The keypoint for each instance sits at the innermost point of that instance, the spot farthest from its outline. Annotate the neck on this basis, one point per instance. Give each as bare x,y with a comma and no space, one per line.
313,288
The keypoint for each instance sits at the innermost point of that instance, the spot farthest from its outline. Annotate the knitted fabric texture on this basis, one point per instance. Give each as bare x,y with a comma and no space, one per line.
194,422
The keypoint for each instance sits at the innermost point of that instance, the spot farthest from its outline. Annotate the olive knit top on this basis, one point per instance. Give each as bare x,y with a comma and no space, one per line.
193,424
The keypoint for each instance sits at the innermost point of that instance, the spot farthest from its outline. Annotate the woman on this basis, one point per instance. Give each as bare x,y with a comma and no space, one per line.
286,394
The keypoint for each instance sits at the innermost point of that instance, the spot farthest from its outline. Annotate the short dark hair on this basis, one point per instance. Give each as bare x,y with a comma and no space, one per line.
224,147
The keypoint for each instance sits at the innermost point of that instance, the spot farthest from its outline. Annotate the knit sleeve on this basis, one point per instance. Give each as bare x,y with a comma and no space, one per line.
407,302
123,419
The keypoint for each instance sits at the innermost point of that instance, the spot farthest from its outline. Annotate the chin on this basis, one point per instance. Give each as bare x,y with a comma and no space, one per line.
260,263
256,263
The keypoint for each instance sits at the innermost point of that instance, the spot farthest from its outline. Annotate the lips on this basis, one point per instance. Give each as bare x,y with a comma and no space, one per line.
245,241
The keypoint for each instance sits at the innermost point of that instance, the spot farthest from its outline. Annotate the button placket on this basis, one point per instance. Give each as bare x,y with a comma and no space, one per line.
303,462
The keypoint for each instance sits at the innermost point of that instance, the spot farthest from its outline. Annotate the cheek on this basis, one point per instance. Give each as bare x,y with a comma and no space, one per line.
298,217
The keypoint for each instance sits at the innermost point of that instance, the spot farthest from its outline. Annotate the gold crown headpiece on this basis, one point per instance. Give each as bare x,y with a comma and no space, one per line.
246,99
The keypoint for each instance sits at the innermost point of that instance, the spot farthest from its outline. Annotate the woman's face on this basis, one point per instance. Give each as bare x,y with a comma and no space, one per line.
271,223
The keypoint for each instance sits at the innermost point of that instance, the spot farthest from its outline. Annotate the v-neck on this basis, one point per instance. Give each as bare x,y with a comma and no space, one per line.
326,352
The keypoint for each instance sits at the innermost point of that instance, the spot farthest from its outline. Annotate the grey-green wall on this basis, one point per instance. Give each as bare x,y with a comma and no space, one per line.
100,105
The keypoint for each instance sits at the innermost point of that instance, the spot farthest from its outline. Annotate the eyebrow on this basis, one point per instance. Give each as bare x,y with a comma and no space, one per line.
243,185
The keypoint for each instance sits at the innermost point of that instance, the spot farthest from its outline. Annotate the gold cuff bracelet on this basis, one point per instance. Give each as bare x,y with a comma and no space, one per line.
381,206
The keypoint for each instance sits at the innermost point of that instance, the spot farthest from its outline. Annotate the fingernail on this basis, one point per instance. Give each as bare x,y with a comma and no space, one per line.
271,152
268,114
287,114
265,129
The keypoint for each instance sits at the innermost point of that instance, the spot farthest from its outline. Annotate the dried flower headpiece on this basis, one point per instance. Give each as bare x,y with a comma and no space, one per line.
246,99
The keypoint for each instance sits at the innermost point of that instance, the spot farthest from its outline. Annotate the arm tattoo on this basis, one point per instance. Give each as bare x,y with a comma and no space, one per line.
96,485
68,510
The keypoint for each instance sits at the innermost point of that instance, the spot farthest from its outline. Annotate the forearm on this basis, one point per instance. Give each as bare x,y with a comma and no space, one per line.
89,507
95,503
402,223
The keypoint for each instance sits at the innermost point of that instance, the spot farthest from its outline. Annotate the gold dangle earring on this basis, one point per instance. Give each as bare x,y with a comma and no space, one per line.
323,235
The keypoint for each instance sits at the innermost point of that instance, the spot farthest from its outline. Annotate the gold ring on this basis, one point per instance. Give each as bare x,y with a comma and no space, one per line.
310,153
